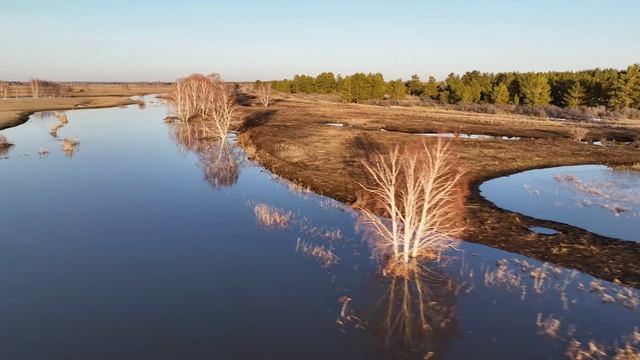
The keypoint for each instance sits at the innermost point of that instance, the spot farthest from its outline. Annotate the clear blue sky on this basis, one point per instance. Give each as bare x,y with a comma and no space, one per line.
118,40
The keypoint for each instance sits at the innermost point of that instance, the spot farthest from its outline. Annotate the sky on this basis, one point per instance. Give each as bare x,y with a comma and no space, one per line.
135,40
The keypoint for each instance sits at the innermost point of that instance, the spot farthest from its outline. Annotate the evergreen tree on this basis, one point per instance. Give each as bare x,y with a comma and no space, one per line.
377,85
303,84
397,89
454,89
500,94
344,88
326,83
431,88
626,89
574,96
534,89
415,86
360,87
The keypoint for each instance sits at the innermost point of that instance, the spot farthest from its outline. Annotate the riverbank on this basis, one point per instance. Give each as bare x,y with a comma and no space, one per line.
291,138
14,112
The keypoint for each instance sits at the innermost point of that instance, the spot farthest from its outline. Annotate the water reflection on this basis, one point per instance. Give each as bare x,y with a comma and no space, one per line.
312,281
596,198
417,313
219,160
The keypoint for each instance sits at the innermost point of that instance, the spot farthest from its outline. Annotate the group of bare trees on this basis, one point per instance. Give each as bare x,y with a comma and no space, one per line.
205,99
419,192
4,89
43,88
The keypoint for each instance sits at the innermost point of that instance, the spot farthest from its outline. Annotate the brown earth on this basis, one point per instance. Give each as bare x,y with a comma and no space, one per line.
290,138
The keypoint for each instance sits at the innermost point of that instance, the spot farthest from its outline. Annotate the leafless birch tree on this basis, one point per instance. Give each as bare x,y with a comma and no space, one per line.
206,100
4,89
420,194
264,93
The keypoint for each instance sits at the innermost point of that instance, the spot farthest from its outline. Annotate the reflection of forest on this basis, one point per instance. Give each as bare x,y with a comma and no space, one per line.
219,161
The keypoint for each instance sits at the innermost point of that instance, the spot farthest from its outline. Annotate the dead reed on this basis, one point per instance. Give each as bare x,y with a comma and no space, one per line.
70,145
578,133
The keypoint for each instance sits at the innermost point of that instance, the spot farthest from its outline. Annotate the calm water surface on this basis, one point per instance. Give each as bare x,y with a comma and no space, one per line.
594,197
144,244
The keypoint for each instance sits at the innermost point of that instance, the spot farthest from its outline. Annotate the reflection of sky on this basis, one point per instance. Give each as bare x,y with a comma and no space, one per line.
544,194
127,241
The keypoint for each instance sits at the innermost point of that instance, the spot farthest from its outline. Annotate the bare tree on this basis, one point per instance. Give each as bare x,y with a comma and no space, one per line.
420,193
264,93
4,89
206,100
35,88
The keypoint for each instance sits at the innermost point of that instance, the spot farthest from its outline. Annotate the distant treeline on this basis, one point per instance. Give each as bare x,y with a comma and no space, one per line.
610,88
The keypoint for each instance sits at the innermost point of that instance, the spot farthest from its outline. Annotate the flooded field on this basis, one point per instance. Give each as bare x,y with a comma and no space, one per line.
147,242
597,198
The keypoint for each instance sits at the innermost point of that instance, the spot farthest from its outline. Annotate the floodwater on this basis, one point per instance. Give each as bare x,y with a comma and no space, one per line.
597,198
148,243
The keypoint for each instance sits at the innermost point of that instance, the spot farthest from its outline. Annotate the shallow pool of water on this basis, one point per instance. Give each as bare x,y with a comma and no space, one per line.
147,243
593,197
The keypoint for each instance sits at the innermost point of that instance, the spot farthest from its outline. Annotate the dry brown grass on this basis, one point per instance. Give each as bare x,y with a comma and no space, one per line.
70,145
578,133
14,112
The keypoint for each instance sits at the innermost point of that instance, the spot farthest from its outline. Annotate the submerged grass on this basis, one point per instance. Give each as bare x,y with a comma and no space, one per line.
70,145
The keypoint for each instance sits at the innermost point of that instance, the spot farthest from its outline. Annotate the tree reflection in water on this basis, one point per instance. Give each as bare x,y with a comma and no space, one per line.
416,314
219,160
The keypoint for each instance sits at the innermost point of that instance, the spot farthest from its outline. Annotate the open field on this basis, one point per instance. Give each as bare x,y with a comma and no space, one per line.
16,109
83,89
291,138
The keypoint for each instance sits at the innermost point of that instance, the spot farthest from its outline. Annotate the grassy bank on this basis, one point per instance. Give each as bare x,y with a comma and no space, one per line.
19,105
14,112
291,139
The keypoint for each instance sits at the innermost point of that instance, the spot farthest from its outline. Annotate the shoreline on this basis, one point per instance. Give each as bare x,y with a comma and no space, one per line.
15,112
289,140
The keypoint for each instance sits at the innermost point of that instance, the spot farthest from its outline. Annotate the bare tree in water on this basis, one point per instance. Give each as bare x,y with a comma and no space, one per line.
419,192
206,100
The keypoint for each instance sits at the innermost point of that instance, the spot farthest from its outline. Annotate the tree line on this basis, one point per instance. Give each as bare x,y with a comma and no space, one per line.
611,88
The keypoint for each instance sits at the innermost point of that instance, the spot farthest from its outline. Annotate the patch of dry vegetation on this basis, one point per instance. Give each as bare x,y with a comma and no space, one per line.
69,146
578,133
14,112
